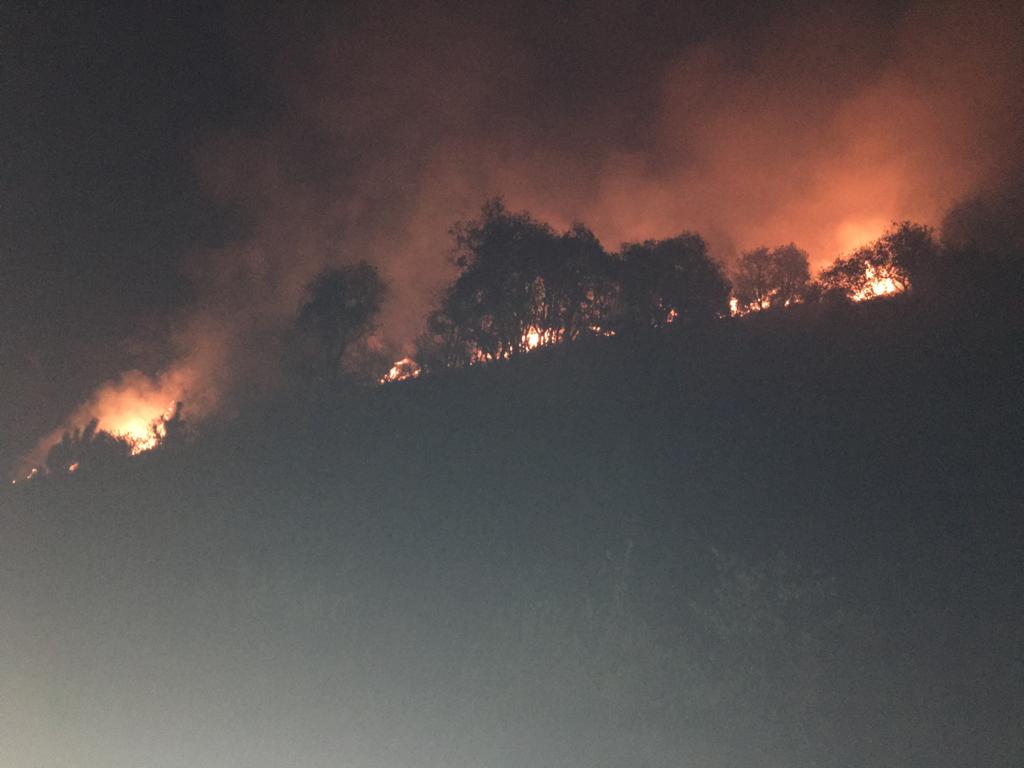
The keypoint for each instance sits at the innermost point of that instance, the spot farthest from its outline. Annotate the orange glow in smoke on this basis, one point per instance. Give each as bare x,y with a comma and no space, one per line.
133,408
140,424
852,234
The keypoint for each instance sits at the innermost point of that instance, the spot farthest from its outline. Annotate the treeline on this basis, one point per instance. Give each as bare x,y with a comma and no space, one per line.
521,284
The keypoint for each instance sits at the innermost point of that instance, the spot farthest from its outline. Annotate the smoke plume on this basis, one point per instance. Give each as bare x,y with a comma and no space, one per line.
795,122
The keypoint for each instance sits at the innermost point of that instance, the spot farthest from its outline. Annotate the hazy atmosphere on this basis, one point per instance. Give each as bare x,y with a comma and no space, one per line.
175,176
531,384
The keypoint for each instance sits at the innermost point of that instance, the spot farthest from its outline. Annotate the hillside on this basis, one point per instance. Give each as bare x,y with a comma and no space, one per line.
789,539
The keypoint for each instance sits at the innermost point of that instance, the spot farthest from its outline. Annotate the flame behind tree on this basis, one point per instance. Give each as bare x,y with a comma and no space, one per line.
664,281
91,445
521,286
505,288
86,446
864,274
134,409
904,256
775,277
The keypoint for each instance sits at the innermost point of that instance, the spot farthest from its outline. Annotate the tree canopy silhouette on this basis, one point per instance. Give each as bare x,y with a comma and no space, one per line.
580,290
772,277
668,280
916,254
500,292
884,266
983,239
340,307
86,446
521,285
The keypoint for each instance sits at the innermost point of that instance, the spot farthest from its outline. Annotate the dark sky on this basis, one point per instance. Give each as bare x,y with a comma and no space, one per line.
104,106
171,175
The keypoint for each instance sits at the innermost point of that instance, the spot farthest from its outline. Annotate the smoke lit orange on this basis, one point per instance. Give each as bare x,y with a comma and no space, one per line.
133,407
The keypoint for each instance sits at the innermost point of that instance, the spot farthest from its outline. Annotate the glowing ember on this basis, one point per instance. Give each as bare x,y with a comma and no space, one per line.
31,473
403,369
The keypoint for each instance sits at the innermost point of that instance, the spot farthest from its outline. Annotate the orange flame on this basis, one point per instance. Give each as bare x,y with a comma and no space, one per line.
139,426
133,407
402,370
879,283
535,337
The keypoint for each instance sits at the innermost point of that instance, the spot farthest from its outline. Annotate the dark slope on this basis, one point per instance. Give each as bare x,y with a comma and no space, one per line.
789,540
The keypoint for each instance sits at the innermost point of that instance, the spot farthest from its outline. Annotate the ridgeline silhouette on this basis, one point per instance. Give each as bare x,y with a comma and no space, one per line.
668,534
521,285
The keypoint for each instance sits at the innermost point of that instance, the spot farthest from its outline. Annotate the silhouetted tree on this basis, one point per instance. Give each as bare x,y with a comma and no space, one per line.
85,447
992,224
521,284
580,288
665,281
983,242
500,291
907,257
442,345
339,310
367,362
771,277
173,430
916,253
847,276
882,267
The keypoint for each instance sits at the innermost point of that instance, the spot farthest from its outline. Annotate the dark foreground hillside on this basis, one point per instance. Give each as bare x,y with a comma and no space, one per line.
791,540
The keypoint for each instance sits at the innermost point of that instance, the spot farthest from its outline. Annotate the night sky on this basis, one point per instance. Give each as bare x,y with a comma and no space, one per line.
104,107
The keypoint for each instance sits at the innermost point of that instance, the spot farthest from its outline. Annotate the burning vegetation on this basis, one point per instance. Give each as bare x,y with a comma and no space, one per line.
140,430
883,267
124,419
521,286
402,370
